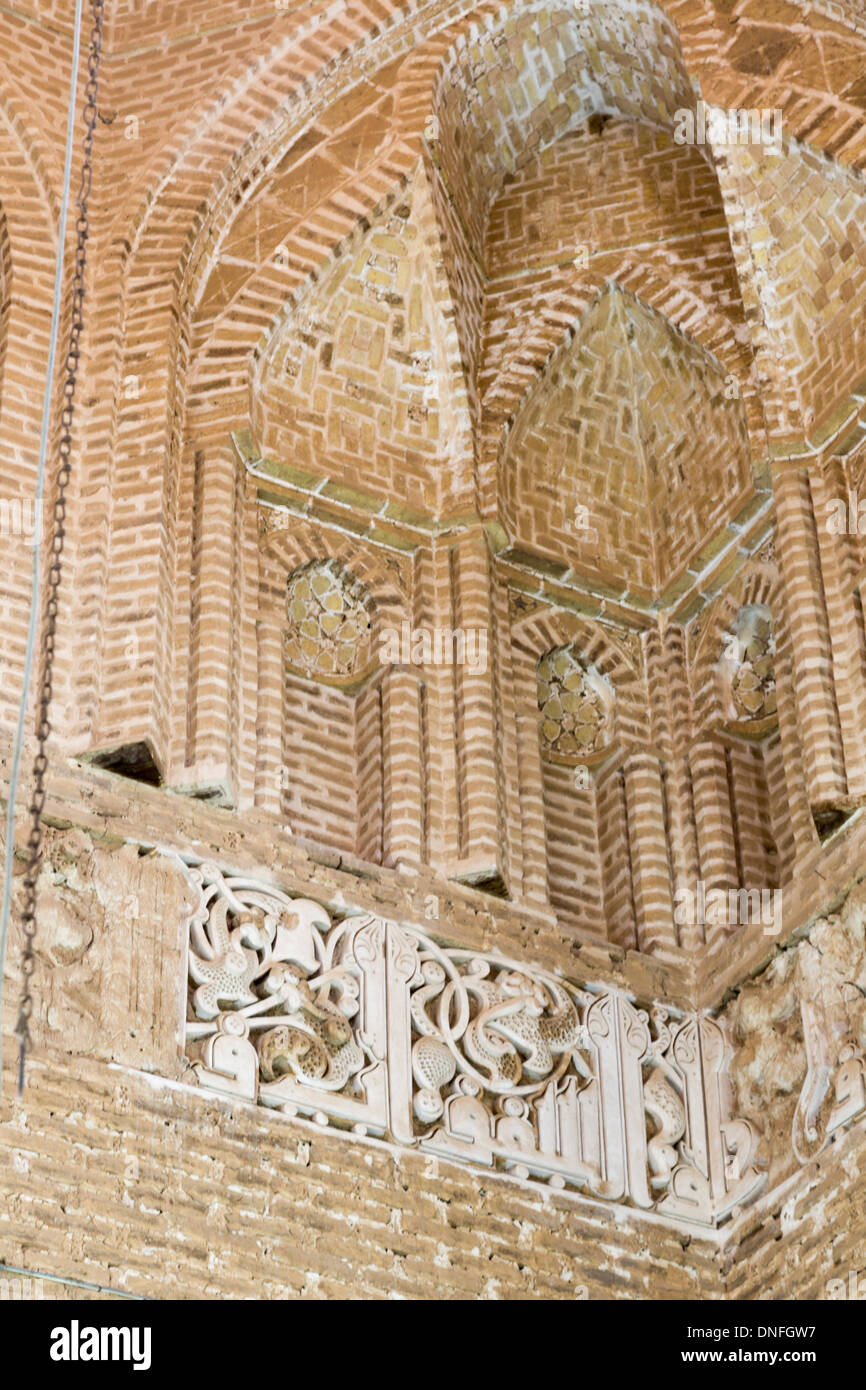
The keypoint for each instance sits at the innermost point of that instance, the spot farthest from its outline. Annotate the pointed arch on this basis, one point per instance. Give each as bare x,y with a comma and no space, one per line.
28,250
608,460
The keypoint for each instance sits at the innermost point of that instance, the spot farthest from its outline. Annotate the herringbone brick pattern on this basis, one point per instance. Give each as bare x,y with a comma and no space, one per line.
807,231
359,386
428,304
607,463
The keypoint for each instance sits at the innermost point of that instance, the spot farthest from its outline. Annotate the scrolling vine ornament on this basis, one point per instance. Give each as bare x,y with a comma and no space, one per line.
833,1094
276,1007
375,1027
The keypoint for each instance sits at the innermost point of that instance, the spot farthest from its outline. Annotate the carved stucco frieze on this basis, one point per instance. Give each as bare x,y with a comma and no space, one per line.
285,1008
834,1090
376,1027
800,1066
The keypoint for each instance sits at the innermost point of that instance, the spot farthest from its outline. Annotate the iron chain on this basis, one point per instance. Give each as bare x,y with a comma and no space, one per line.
58,537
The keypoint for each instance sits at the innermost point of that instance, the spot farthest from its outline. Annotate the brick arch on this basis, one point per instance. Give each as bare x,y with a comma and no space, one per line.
774,382
671,295
283,552
539,84
213,167
28,249
748,778
163,276
146,258
542,632
809,297
309,132
526,55
758,583
26,167
578,378
309,356
481,141
210,150
358,611
573,814
828,112
539,342
558,202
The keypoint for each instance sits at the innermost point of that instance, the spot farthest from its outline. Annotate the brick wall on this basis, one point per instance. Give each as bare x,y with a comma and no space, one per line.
164,1190
808,1240
169,1194
336,313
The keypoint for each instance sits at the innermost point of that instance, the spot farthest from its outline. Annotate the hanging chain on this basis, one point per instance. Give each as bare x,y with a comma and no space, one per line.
43,726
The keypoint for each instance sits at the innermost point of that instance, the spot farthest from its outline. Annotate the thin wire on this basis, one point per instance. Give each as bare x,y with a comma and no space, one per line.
40,1274
35,587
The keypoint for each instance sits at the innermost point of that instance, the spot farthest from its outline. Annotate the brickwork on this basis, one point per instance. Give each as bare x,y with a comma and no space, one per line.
359,386
100,999
307,1225
809,1246
639,425
622,203
454,537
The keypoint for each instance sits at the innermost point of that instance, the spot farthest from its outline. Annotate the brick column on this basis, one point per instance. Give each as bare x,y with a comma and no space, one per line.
132,728
802,824
214,674
670,710
649,852
475,724
404,763
615,857
840,568
812,661
716,844
717,849
507,752
531,782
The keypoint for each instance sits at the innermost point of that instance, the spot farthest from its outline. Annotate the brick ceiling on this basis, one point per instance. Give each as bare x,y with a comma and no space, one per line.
543,265
350,225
